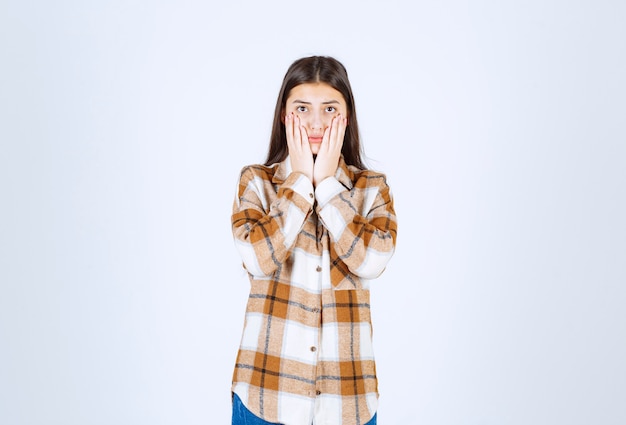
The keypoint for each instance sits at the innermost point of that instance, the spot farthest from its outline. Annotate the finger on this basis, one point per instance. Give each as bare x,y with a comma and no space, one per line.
334,128
304,137
325,141
341,131
302,130
297,131
295,146
289,131
305,147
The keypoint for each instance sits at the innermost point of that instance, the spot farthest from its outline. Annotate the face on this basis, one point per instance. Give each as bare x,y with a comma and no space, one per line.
316,104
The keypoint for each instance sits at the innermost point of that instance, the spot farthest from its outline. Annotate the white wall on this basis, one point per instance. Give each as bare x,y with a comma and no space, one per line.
123,126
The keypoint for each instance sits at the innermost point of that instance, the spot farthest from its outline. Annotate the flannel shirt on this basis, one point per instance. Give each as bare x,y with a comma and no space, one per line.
306,350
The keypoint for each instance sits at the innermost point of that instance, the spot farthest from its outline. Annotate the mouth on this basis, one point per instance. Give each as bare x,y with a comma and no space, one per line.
313,139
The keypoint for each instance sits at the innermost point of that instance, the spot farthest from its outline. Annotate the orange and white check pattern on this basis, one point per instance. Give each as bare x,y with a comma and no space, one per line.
306,350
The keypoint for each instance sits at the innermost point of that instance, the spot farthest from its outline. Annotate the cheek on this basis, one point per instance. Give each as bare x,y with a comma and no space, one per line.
328,120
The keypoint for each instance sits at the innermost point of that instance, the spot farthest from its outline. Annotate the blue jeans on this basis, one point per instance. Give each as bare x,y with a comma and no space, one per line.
242,416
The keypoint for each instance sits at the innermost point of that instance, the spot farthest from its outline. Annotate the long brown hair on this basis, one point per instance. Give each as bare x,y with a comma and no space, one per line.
316,69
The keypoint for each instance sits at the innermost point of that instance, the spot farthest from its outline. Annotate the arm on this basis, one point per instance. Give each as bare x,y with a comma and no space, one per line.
361,222
265,232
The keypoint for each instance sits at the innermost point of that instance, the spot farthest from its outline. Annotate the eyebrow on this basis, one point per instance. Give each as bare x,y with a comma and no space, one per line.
309,103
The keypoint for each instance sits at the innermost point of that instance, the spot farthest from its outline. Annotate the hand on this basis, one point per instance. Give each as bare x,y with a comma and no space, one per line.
330,150
298,144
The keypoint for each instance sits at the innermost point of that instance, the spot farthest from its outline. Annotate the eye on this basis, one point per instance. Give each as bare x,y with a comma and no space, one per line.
301,108
331,109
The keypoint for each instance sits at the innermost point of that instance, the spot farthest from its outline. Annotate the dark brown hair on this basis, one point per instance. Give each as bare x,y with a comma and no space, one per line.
316,69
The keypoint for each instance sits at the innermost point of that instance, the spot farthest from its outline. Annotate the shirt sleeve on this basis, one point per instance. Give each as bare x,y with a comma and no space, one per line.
361,222
265,227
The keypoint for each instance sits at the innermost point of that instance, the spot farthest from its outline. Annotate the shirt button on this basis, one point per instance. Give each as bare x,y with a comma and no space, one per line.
313,349
318,269
311,195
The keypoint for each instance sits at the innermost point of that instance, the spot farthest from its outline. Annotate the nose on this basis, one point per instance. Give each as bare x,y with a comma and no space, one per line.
316,124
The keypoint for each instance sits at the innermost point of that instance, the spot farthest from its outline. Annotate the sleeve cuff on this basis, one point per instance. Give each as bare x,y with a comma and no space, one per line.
328,189
301,184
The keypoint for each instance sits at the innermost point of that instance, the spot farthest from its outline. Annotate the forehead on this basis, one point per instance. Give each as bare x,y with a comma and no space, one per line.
315,92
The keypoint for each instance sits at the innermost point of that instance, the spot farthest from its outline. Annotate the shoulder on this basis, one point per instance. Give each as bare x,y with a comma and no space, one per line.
257,171
368,178
261,179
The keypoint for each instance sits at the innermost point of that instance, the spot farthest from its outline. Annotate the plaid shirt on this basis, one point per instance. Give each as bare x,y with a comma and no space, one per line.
306,350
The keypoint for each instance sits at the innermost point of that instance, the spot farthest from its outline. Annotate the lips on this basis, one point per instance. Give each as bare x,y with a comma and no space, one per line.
314,139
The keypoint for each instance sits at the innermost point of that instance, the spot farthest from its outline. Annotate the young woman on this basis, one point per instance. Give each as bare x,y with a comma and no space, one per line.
313,227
